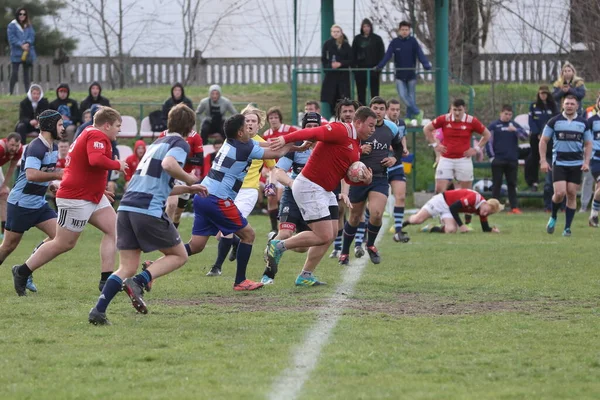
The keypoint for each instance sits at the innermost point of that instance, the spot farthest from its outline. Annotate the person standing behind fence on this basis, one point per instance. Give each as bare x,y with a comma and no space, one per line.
569,83
336,55
503,150
367,51
406,50
540,112
215,106
21,37
177,97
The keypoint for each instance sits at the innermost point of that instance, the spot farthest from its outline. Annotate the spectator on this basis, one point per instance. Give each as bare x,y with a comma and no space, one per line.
503,150
133,160
177,96
68,108
86,117
569,83
406,50
21,37
337,55
367,51
94,97
314,106
215,106
209,158
29,108
540,112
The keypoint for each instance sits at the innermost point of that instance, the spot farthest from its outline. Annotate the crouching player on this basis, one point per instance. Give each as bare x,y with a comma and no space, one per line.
450,204
290,218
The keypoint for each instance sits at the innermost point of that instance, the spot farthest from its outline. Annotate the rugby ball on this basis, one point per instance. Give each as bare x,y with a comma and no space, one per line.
356,172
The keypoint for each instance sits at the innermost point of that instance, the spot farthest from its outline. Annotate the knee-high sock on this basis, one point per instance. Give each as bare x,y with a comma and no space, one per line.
243,256
360,234
555,208
398,218
349,233
222,250
273,218
372,231
569,215
337,244
111,288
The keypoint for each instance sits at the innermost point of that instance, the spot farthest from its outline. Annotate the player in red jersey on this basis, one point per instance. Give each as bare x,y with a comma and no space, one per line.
337,148
450,204
139,149
274,189
82,197
176,204
456,152
11,151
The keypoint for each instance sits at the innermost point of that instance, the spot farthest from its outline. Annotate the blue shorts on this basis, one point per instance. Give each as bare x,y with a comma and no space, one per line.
21,219
396,175
213,215
358,194
595,169
289,214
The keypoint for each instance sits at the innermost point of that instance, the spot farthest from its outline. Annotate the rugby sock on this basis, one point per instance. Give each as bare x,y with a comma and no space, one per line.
595,208
234,245
243,256
143,278
349,233
3,223
372,232
569,214
111,288
437,229
104,276
337,244
188,249
468,218
306,274
269,272
273,218
40,245
360,234
222,250
24,270
176,225
555,208
398,218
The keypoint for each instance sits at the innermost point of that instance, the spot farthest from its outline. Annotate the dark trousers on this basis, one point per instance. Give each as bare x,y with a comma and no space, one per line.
361,86
336,86
23,129
14,76
509,170
532,163
210,127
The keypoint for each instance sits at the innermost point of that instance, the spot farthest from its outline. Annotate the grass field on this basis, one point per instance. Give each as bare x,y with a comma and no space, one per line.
474,316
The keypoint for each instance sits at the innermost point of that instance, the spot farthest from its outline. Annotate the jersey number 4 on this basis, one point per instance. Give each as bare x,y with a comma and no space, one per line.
145,163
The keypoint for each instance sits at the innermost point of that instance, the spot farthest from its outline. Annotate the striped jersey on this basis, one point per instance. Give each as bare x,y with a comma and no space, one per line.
568,137
594,125
401,134
151,184
40,155
231,164
294,161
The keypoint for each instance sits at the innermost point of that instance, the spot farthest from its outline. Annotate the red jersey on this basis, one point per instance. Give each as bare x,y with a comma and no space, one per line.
87,166
133,160
470,200
337,149
196,147
5,156
283,130
61,163
457,134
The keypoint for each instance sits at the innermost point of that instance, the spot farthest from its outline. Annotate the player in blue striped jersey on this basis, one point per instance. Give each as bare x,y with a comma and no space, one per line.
27,205
218,212
142,225
571,153
594,125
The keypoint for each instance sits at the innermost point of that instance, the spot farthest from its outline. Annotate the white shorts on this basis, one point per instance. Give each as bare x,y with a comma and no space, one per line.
246,200
73,214
437,206
1,177
312,200
182,196
460,169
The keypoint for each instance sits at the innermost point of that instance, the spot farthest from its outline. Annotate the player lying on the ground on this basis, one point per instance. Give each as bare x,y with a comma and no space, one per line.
450,204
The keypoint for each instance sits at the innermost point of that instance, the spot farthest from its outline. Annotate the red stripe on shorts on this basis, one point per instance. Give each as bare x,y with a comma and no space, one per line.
230,211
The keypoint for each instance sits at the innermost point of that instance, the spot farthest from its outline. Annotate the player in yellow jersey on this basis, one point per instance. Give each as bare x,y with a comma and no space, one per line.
248,193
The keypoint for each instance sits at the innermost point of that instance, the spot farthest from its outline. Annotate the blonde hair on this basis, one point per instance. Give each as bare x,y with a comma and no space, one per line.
260,114
575,81
339,41
106,115
495,205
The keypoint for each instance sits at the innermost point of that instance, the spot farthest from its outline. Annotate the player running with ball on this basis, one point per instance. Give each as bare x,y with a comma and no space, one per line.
338,147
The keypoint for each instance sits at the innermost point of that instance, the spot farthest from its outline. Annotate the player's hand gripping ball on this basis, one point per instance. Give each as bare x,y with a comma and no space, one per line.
356,172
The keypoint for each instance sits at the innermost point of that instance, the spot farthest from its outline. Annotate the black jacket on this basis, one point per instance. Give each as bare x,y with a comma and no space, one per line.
342,55
26,112
367,51
172,101
72,104
87,103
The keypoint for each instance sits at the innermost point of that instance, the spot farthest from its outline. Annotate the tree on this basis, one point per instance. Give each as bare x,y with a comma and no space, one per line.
47,38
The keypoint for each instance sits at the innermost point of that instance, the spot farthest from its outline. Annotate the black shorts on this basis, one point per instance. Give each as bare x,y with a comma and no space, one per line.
136,231
358,194
595,168
568,174
396,175
21,219
289,214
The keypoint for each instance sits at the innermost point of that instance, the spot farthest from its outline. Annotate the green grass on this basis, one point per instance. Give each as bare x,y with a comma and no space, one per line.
475,316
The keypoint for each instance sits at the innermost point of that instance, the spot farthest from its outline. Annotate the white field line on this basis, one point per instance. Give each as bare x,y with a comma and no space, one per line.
287,386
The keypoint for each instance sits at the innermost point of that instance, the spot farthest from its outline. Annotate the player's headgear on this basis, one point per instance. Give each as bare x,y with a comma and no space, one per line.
311,118
48,120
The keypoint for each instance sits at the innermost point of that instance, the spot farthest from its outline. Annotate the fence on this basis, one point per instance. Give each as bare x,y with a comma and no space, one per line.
151,71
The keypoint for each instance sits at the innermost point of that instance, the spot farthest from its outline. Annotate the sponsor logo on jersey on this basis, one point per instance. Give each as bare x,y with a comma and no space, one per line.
98,145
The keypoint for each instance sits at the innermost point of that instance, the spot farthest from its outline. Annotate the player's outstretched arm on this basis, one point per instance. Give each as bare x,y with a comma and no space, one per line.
35,175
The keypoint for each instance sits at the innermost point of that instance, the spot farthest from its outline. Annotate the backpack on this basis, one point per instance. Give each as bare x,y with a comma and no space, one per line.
157,123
